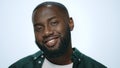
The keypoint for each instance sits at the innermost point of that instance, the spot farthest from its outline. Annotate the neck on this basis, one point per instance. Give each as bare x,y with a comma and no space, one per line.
64,59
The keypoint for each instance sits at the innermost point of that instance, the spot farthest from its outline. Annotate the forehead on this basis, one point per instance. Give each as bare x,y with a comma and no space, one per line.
45,12
48,10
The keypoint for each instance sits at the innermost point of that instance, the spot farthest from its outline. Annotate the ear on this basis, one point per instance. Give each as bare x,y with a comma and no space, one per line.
71,23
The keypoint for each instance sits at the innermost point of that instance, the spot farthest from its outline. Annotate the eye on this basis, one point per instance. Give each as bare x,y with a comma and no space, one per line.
54,23
38,28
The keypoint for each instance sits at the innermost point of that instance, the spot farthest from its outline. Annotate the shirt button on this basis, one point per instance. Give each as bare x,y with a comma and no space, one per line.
35,58
79,59
39,62
42,56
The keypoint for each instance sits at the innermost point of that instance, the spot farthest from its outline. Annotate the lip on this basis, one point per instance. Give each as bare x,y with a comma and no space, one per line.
52,40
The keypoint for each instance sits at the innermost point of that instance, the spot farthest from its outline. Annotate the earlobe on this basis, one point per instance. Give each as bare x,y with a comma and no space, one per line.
71,24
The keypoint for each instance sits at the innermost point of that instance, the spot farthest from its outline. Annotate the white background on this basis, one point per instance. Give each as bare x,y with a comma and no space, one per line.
96,32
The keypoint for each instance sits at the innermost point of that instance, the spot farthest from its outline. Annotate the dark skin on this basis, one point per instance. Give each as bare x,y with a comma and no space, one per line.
51,20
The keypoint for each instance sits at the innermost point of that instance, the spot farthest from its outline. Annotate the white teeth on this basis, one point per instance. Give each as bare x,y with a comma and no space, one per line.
51,42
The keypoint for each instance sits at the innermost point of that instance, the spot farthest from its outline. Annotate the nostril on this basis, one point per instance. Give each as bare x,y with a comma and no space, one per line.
48,32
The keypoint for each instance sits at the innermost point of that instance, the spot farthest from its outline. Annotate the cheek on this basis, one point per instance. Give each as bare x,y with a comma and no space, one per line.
38,37
61,28
59,31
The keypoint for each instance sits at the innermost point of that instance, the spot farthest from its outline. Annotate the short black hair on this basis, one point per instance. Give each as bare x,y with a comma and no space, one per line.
61,6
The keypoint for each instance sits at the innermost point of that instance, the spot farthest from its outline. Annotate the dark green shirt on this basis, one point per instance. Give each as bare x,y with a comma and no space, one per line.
36,60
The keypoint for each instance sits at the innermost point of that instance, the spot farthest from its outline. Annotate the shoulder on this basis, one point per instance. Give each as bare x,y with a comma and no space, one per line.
88,62
26,60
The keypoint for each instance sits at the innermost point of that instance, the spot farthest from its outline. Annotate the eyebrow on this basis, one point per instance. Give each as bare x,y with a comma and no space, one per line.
37,24
51,18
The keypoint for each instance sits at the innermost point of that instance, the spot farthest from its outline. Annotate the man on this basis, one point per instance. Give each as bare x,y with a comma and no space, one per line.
52,28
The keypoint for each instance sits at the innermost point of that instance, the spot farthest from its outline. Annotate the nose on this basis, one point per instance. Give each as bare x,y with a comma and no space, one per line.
47,32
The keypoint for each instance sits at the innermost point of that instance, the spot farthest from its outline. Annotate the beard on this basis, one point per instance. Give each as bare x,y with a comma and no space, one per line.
62,48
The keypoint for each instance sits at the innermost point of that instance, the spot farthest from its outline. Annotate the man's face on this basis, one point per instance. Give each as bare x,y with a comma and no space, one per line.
52,31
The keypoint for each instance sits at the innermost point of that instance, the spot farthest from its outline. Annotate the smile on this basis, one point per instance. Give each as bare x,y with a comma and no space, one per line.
51,41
